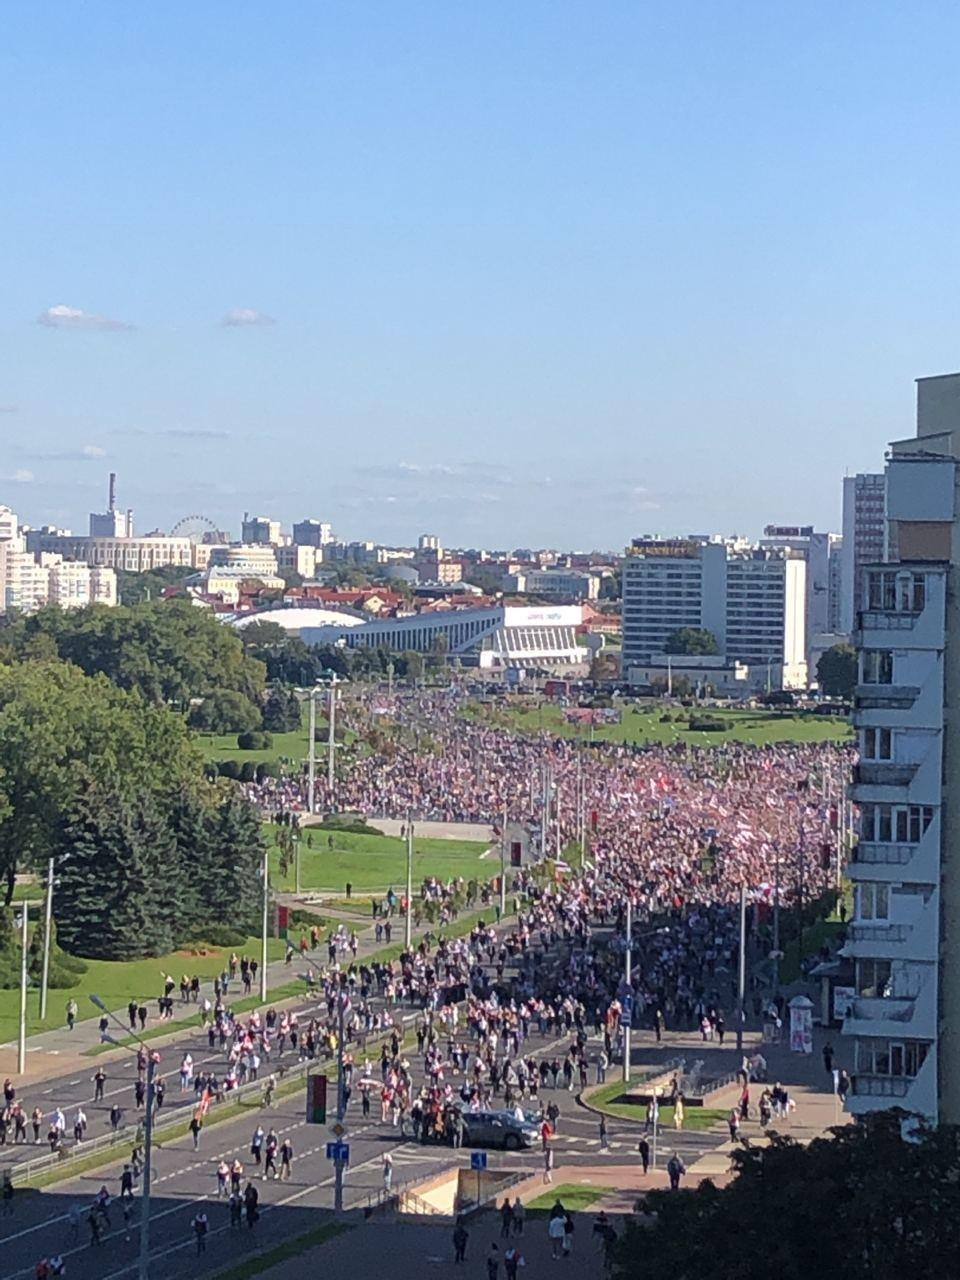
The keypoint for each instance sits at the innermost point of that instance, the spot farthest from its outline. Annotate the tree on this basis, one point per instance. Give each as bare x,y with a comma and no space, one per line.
225,711
117,898
233,894
691,641
281,711
863,1204
61,733
837,671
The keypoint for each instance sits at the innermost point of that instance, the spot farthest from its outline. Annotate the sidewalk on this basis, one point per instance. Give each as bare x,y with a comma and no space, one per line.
51,1054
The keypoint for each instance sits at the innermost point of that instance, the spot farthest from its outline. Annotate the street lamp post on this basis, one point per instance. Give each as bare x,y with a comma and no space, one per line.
408,927
265,921
503,865
312,754
48,924
627,1013
742,967
22,1038
331,734
143,1265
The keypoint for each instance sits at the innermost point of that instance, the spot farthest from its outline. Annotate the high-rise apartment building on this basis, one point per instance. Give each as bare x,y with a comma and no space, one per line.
864,532
822,552
905,933
260,531
312,533
752,599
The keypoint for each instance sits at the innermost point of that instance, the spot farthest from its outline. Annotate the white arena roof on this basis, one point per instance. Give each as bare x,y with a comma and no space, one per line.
297,619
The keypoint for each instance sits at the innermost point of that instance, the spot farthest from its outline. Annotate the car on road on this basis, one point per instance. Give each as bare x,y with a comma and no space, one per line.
499,1129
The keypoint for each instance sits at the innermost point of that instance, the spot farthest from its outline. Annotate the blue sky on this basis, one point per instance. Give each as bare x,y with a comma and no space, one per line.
525,272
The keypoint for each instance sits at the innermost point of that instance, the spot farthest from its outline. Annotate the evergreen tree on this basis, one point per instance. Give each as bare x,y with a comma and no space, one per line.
191,821
118,895
233,888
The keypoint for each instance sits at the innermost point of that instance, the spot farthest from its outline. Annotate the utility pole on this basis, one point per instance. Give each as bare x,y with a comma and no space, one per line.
408,929
626,1012
48,924
776,918
503,865
312,755
22,1040
742,968
266,913
545,816
331,736
341,1109
144,1267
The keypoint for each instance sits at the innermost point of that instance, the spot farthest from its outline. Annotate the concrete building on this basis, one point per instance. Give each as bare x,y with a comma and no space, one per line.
111,523
752,600
491,638
260,530
864,531
72,585
299,558
821,551
724,676
29,580
905,935
248,559
572,584
312,533
135,555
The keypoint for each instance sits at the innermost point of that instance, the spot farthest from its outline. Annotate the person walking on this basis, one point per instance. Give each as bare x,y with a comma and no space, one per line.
200,1227
512,1260
548,1164
603,1133
675,1171
643,1150
99,1080
493,1263
72,1011
555,1229
387,1171
196,1125
519,1213
506,1218
678,1113
286,1157
460,1238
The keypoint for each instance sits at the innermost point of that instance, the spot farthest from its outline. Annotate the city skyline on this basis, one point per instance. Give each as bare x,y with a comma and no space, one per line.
417,266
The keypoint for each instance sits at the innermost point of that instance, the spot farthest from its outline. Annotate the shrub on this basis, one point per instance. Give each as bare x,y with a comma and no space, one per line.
229,769
350,822
254,740
266,769
248,771
708,724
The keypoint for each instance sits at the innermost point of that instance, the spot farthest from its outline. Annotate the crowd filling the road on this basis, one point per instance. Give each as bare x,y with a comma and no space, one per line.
507,1019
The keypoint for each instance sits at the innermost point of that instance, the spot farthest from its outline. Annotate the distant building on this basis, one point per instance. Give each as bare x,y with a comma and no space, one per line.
300,559
312,533
134,555
30,580
751,599
111,523
260,530
251,559
571,584
864,528
821,551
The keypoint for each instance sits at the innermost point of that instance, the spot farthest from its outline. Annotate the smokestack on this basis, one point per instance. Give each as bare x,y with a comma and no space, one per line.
112,491
129,522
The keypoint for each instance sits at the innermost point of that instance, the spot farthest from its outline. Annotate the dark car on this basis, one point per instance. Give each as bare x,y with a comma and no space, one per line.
499,1129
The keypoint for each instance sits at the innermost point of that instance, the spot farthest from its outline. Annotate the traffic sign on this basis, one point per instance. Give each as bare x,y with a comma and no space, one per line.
317,1099
478,1160
338,1152
338,1129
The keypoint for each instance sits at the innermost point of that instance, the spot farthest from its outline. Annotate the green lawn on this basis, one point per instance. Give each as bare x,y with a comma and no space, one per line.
117,982
376,862
285,746
641,724
611,1099
572,1196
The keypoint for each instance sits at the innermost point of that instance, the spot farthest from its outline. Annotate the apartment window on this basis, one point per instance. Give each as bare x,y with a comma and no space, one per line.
887,823
873,902
877,744
873,978
890,1057
896,592
877,666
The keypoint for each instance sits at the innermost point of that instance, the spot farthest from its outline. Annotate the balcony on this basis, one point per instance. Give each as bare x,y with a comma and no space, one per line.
865,1086
879,932
885,697
873,853
885,620
884,773
875,1009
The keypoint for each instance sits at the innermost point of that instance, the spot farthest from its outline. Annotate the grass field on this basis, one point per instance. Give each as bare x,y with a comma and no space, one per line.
641,725
117,982
376,862
611,1099
573,1197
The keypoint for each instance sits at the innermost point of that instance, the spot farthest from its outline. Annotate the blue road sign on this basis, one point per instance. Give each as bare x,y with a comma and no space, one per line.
478,1160
626,1012
339,1151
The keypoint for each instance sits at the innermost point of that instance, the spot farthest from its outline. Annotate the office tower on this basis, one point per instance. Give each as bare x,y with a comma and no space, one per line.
863,539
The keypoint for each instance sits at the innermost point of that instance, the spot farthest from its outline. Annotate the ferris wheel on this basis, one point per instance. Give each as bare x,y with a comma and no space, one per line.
193,527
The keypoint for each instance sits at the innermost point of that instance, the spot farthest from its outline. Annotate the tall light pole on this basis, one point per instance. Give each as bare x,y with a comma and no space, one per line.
408,927
266,913
503,865
331,733
22,1038
627,1010
742,967
143,1266
48,924
312,754
341,1102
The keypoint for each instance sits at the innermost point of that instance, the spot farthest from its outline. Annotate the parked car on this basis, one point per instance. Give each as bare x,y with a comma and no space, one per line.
499,1129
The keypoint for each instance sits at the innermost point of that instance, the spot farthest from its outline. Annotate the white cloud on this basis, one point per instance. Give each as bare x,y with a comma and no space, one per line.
64,317
20,476
8,408
245,317
85,453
